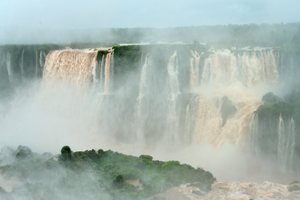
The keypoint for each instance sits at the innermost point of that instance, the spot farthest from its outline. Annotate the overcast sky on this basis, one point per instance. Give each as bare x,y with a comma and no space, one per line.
30,15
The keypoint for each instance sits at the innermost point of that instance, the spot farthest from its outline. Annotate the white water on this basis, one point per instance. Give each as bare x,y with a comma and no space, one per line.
236,75
107,71
235,191
80,66
9,67
239,76
286,143
194,69
143,87
210,78
172,95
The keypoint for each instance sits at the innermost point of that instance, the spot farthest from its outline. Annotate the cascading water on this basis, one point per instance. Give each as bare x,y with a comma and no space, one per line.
254,135
230,75
286,143
172,95
70,64
80,66
143,87
194,69
285,140
234,76
107,71
9,67
249,68
22,64
99,72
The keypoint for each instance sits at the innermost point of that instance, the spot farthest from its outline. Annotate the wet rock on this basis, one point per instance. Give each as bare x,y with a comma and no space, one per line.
271,98
227,109
294,186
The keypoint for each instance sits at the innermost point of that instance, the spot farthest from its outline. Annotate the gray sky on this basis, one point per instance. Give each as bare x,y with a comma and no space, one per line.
30,15
149,13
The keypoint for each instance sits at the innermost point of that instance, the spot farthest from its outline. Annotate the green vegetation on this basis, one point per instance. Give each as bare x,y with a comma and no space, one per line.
117,175
155,176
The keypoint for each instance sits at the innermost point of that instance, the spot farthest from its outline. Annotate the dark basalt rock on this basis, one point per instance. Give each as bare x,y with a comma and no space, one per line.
273,106
271,98
227,109
294,186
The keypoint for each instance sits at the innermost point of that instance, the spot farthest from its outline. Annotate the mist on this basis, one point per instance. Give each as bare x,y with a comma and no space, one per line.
35,21
211,84
129,111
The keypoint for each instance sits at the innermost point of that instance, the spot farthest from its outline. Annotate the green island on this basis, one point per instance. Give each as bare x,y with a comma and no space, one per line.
94,174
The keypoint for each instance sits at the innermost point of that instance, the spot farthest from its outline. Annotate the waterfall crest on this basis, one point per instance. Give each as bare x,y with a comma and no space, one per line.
70,64
80,65
247,68
234,75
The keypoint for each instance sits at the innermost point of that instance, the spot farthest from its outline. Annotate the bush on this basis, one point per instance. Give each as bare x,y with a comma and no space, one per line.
66,153
23,152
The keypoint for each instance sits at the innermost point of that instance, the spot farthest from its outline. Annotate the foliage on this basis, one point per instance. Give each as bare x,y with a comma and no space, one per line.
106,171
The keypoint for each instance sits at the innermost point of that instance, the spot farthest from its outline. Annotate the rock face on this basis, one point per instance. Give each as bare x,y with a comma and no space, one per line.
227,109
20,65
294,186
275,130
271,98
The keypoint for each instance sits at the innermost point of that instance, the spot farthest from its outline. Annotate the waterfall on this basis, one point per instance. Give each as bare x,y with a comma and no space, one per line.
80,66
70,64
188,125
286,143
254,135
112,70
42,57
285,146
219,68
107,72
247,68
22,64
173,92
259,66
9,67
223,73
208,121
217,74
101,65
194,69
143,87
234,75
94,72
